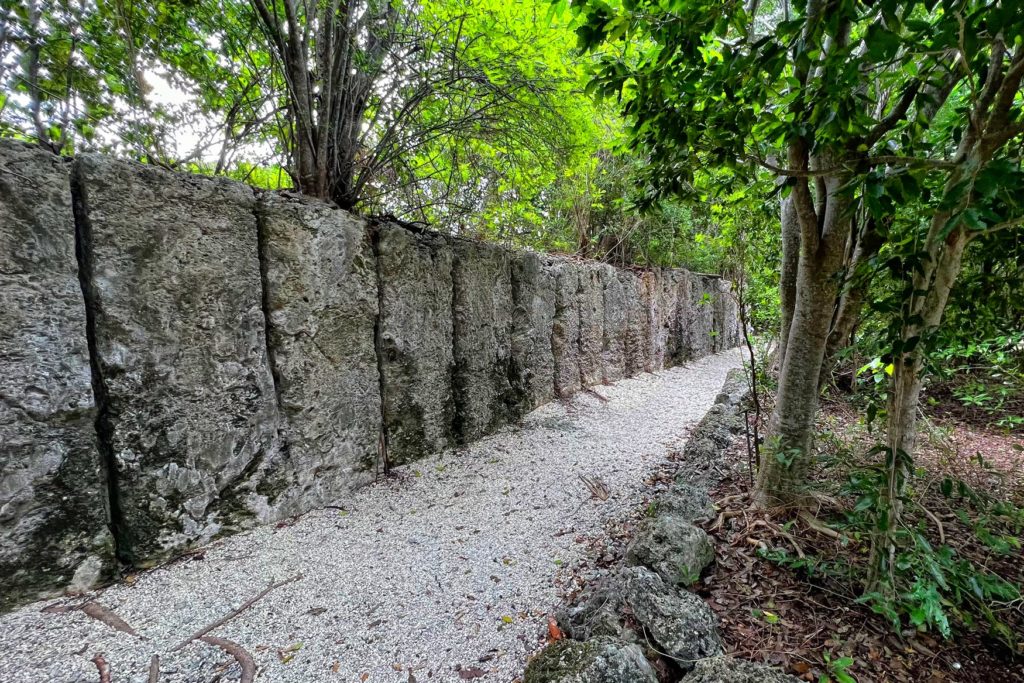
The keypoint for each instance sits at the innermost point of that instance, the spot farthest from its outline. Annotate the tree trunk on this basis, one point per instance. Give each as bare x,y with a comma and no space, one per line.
787,275
824,232
851,300
924,315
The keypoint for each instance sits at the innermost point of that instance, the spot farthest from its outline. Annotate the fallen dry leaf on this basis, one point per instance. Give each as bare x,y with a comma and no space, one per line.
554,632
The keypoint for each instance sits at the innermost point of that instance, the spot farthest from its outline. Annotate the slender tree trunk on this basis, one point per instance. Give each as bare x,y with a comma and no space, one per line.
824,231
853,296
924,315
784,469
788,273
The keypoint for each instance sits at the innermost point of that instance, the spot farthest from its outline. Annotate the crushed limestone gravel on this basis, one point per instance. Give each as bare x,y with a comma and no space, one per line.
446,572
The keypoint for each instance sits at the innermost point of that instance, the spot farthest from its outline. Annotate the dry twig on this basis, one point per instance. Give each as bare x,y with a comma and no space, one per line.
598,489
931,515
234,613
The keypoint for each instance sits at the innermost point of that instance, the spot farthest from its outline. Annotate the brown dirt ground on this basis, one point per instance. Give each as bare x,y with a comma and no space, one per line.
780,616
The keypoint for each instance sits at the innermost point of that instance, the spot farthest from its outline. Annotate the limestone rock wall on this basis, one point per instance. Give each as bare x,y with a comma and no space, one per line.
416,341
482,306
533,320
320,304
53,520
565,328
591,307
613,342
184,357
187,405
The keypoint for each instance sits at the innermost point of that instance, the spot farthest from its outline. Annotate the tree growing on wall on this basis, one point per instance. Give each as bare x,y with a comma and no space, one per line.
393,106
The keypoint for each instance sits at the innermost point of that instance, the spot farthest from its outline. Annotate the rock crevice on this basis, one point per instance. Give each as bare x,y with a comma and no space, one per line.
108,464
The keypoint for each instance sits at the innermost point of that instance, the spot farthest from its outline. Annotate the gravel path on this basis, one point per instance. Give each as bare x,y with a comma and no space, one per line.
444,573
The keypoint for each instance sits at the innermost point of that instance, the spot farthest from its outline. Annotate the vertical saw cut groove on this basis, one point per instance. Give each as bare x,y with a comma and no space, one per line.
579,330
263,256
104,427
458,378
373,230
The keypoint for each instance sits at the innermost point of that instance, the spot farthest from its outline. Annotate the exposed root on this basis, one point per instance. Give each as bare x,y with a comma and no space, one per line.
819,526
234,613
102,667
724,515
728,499
938,524
101,613
154,669
243,658
775,528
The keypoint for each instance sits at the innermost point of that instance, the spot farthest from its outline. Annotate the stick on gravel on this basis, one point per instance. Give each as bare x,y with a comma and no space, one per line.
225,619
243,658
154,669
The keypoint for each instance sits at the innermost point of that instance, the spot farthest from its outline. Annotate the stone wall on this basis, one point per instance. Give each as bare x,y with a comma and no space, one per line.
184,357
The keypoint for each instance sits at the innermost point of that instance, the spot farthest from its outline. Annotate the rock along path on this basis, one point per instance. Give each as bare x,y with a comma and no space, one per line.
444,573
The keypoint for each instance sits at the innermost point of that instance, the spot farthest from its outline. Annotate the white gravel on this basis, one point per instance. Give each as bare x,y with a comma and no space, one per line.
454,563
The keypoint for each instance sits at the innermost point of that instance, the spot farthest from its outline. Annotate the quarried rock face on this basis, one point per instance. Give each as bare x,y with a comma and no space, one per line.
320,295
727,322
482,310
598,660
565,333
416,351
672,305
533,293
702,319
663,303
591,306
187,398
53,519
637,340
613,349
678,621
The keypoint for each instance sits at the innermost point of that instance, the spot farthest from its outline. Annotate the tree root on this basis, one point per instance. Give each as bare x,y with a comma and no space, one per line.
154,669
728,499
771,526
931,515
722,516
243,658
97,612
757,543
234,613
102,667
101,613
819,526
